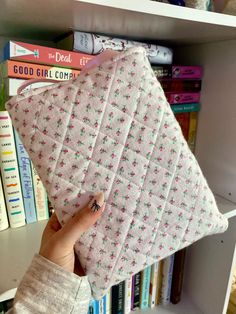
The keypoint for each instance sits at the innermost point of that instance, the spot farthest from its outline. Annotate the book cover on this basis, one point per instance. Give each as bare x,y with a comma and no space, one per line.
3,210
136,291
167,279
192,134
40,196
153,284
26,180
145,286
183,119
182,98
177,86
185,108
128,289
22,51
10,173
117,293
25,70
178,71
178,275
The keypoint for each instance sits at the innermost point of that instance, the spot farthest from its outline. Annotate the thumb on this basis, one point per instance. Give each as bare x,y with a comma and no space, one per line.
83,220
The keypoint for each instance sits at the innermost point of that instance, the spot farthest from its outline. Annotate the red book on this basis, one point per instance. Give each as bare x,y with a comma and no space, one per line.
183,118
177,85
20,51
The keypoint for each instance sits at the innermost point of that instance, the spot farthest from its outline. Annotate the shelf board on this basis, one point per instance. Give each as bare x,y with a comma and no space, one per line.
226,207
143,19
18,246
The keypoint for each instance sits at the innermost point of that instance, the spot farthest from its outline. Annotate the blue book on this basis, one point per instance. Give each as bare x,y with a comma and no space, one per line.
93,307
104,304
145,285
26,180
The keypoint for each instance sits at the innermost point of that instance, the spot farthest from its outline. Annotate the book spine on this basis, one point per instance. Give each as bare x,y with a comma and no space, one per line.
187,72
40,195
21,51
192,134
108,302
183,86
24,70
10,172
12,85
145,287
93,307
164,71
159,282
167,279
178,275
3,210
183,119
153,285
128,288
26,180
95,43
136,299
182,98
185,108
118,298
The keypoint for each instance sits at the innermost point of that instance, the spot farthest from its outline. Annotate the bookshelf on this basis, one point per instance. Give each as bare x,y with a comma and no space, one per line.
198,37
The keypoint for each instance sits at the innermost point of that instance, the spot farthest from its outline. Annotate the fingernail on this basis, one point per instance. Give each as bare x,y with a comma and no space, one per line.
97,202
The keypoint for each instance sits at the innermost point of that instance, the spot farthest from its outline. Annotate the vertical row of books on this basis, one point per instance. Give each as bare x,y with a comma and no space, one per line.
23,198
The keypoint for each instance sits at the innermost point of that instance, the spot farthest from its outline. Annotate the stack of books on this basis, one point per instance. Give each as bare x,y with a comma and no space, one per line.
23,198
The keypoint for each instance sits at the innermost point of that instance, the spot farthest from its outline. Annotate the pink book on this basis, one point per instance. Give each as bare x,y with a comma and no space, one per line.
187,72
182,98
20,51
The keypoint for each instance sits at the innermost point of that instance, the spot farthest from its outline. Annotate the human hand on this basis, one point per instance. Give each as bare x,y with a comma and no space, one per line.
57,244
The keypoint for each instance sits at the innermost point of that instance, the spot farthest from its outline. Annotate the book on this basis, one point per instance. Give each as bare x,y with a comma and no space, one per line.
183,86
178,275
24,164
117,295
135,300
93,307
192,133
10,173
185,108
3,210
128,290
102,305
178,71
25,70
183,119
40,195
159,282
182,98
108,302
145,286
167,279
21,51
153,284
95,43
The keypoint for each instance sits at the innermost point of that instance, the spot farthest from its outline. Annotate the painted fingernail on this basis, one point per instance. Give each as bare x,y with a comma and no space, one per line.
97,202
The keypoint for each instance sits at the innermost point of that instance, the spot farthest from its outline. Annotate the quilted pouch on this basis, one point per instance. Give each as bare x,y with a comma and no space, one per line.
112,130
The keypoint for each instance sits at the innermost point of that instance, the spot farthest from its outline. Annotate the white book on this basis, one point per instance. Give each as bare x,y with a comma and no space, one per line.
128,291
40,195
108,302
153,284
10,173
3,210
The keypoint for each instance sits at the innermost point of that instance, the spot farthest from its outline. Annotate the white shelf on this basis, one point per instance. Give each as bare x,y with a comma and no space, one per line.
140,19
226,207
18,246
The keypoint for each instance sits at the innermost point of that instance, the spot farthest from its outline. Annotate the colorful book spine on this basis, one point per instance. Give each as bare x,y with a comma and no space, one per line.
180,86
159,282
182,98
192,134
185,108
102,305
145,287
26,180
40,195
167,279
118,298
136,291
128,290
153,285
25,70
108,302
3,210
178,72
183,119
10,173
178,275
20,51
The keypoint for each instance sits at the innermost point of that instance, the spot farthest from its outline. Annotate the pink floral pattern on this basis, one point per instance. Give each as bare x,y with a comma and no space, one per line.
112,129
